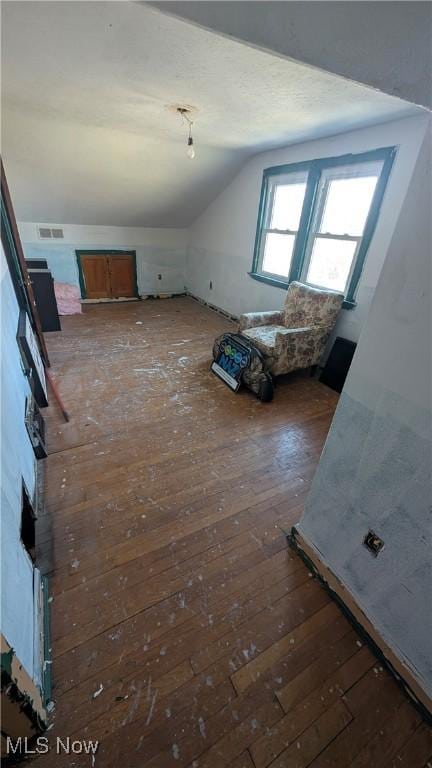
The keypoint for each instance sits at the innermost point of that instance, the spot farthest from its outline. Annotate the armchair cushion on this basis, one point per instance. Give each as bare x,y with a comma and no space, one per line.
254,319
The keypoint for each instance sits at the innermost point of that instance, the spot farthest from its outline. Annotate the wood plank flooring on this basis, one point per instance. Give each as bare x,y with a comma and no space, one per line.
184,632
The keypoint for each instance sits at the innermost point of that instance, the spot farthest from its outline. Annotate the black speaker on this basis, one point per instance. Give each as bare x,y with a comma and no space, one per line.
337,366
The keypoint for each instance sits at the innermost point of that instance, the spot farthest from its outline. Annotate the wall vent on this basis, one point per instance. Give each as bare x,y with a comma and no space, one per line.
50,233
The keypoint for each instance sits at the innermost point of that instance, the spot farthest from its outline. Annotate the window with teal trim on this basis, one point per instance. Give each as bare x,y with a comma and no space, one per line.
316,220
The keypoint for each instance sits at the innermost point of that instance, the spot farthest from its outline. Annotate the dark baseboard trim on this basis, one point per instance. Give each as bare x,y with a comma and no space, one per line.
148,296
219,310
91,302
203,302
403,676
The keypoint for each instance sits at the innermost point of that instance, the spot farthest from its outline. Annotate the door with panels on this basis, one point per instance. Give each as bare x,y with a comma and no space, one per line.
121,271
107,275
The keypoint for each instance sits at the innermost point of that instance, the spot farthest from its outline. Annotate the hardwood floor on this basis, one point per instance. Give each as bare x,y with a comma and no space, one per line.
184,632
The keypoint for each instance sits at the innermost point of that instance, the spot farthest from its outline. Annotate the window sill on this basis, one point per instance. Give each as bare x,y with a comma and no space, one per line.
269,280
347,304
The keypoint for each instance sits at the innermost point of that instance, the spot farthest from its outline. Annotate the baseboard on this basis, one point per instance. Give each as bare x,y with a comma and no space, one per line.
400,671
110,301
172,295
219,310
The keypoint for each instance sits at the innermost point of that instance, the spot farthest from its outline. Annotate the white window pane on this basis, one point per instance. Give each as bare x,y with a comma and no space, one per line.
287,206
278,251
347,205
330,263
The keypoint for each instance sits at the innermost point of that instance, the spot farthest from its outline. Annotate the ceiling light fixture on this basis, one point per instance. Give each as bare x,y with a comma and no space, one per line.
185,114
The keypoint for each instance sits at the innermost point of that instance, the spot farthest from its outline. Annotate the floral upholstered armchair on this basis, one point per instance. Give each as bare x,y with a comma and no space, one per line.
294,337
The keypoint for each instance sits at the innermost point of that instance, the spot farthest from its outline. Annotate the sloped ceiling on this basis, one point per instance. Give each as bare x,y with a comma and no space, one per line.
386,45
89,131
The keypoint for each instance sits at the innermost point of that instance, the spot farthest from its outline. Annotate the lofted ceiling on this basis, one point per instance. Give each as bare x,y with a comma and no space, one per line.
89,131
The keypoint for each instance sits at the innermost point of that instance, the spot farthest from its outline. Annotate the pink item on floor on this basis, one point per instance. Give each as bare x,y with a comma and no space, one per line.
68,299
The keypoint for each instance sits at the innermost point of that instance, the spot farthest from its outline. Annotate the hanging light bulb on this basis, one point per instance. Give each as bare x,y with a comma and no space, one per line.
190,149
184,113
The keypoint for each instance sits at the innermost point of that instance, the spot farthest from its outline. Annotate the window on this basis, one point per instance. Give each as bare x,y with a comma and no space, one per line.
317,218
282,219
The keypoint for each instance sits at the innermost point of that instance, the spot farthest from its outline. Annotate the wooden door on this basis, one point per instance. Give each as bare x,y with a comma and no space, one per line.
122,275
96,277
108,275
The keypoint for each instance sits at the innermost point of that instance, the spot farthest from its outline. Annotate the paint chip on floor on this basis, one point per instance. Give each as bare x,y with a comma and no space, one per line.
176,751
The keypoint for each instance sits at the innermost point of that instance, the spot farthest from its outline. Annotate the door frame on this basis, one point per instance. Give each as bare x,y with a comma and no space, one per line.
104,252
16,262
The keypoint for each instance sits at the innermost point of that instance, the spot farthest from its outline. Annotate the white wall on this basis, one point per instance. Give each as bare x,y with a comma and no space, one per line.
158,251
375,470
221,241
17,461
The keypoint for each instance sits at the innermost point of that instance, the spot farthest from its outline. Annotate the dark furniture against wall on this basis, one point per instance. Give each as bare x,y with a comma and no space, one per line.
43,289
337,366
37,264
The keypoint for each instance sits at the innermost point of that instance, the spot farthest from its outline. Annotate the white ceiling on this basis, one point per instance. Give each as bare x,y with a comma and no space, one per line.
88,135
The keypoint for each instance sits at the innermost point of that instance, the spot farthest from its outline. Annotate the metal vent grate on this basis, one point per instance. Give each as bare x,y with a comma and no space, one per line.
50,233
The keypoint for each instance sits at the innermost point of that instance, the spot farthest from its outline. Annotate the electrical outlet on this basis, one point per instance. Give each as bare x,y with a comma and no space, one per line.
373,543
211,285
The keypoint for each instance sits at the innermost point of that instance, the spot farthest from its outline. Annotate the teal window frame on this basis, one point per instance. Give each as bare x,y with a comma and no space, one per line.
314,168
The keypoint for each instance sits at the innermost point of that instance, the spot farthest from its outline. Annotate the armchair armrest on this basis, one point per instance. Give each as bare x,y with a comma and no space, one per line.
300,347
298,332
255,319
